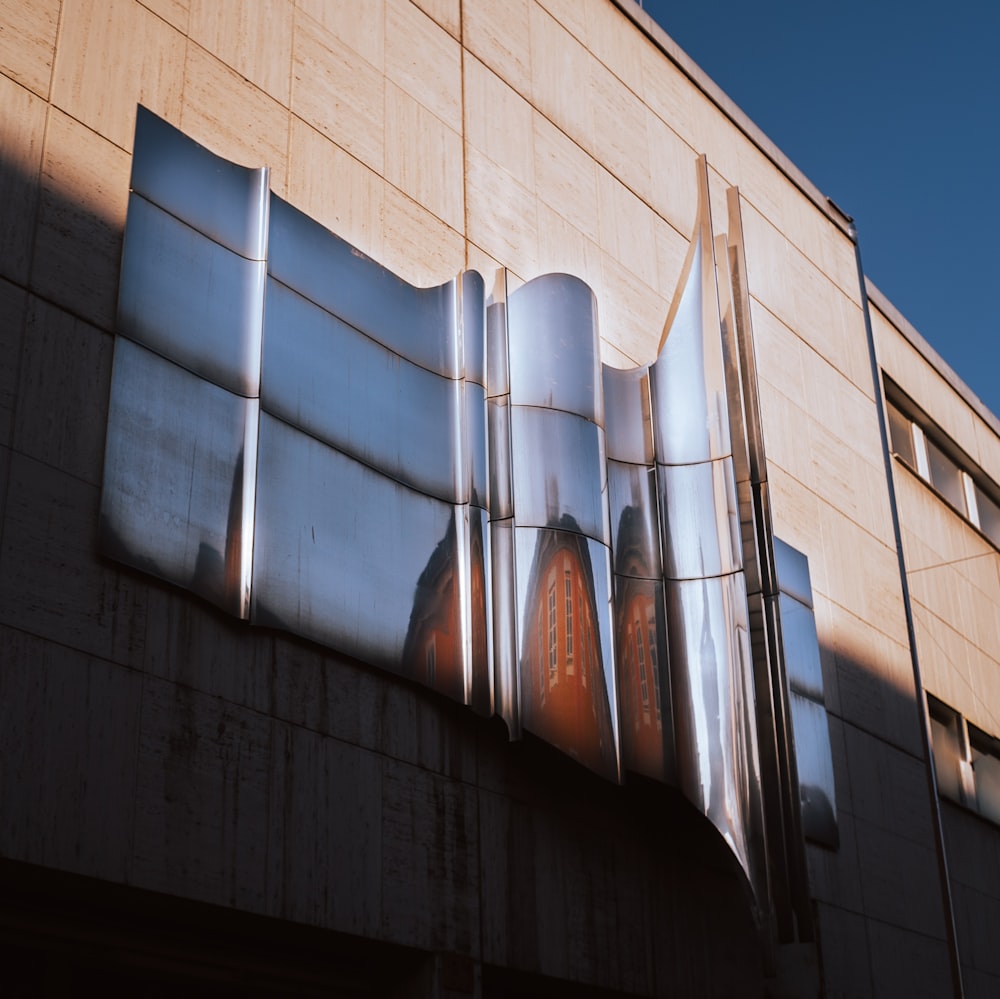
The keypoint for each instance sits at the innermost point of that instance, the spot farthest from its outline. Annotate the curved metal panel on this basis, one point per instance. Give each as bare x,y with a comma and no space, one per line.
566,648
553,346
226,202
419,324
477,444
501,489
497,371
398,605
627,419
635,531
480,684
700,520
507,695
473,332
179,469
190,299
559,472
708,638
323,376
647,734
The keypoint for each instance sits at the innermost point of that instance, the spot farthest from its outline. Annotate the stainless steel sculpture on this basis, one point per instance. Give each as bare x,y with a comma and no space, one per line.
445,485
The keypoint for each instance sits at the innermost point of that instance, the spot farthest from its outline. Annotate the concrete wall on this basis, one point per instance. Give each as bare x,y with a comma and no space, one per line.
149,741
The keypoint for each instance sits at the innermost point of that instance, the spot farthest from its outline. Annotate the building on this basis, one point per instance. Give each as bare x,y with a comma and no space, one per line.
304,805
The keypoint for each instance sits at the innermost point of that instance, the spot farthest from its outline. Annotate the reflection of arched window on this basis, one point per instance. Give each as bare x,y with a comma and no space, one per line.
541,661
553,651
654,666
582,619
640,652
568,587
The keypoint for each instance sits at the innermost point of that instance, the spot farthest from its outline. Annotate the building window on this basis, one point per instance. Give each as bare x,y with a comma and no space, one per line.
930,456
966,761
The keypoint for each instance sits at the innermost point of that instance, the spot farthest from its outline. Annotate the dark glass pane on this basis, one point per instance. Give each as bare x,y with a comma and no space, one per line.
901,436
945,476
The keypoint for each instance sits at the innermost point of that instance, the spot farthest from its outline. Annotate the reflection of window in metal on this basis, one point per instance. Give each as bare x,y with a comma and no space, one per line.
966,760
641,659
568,583
553,635
541,664
810,724
654,666
588,650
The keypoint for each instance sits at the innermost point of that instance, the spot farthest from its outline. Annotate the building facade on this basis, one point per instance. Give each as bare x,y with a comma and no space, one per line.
202,792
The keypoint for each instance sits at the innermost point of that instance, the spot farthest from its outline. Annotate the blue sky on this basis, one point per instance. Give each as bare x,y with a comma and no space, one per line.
892,109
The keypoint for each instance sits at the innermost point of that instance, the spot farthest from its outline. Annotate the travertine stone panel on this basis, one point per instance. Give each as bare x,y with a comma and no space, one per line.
424,60
667,91
254,39
447,13
366,35
632,313
339,92
28,42
477,259
80,221
672,191
571,14
788,443
174,12
565,176
561,78
795,511
418,246
325,815
63,393
231,116
671,250
68,778
619,122
335,189
202,797
627,229
430,896
614,40
499,34
423,157
95,608
22,128
834,877
907,963
825,612
113,56
13,307
844,942
501,215
498,122
562,249
780,355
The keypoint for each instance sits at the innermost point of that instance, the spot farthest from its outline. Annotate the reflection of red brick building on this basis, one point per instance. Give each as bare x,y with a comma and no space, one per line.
640,644
564,697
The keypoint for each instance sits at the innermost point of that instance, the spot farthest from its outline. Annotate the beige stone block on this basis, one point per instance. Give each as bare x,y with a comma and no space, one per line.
13,308
424,60
234,118
423,157
498,122
565,177
621,142
779,355
987,452
616,41
477,259
571,14
561,78
718,138
447,13
500,214
22,129
667,91
563,249
81,218
795,511
632,312
337,91
673,189
254,39
671,252
112,56
787,435
499,35
365,35
627,228
335,189
28,42
418,246
768,276
174,12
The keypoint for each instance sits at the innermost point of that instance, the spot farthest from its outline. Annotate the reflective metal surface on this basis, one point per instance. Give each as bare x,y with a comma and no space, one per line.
559,472
226,202
190,299
179,470
346,389
815,764
792,568
553,347
566,661
628,422
635,526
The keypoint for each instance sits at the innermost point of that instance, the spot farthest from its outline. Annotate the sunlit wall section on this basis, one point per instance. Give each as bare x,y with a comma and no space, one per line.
561,529
372,496
708,627
179,471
